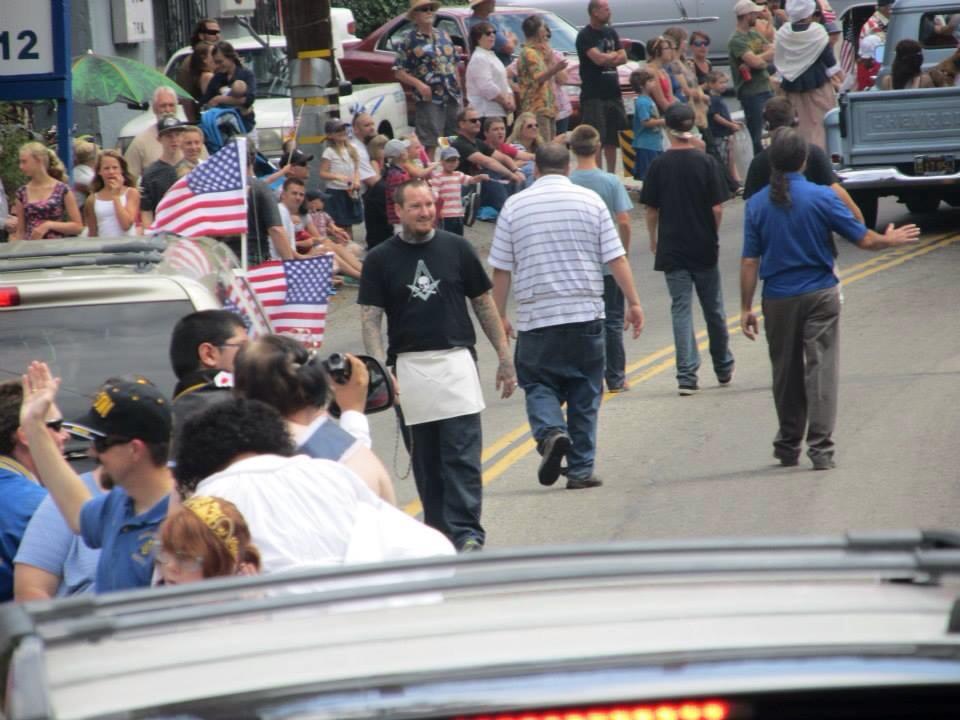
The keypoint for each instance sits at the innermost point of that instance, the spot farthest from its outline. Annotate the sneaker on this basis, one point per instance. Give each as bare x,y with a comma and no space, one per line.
728,378
620,389
787,459
471,545
583,483
554,448
688,389
823,463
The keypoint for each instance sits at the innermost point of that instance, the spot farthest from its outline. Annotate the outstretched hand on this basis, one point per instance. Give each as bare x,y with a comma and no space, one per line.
39,391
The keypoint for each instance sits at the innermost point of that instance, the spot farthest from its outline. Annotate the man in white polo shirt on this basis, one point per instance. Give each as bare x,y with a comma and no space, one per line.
551,242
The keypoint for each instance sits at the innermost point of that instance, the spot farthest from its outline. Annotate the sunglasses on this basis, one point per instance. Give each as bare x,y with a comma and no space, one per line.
471,120
209,31
102,444
427,9
55,425
700,43
488,33
530,127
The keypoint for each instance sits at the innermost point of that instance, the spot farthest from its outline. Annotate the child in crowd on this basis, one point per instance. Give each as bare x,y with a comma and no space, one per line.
340,168
84,167
316,202
375,150
45,206
395,158
867,65
113,207
722,126
208,537
447,182
647,123
418,165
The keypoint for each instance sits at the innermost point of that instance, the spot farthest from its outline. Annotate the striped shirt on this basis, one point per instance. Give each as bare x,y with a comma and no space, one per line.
447,186
554,238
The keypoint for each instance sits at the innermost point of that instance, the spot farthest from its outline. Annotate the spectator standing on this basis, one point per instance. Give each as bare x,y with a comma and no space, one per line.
448,183
750,54
191,147
476,157
867,66
282,373
194,76
647,123
85,154
421,279
45,207
161,174
340,168
877,23
364,130
145,149
394,174
805,60
19,484
130,422
232,85
52,561
112,210
906,70
551,241
601,102
505,42
684,193
785,242
722,127
698,60
427,62
536,69
584,142
488,90
660,53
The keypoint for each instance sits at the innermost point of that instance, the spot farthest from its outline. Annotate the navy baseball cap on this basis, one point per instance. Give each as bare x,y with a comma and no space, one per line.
130,408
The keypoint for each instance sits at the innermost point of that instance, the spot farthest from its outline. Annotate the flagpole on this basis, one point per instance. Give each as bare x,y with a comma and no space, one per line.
243,252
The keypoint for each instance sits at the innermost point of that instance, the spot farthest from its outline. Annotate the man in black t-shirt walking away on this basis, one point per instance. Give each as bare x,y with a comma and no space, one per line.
684,191
601,103
422,278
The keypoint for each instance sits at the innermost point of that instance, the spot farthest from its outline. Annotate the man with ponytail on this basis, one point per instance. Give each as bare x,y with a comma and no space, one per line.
786,242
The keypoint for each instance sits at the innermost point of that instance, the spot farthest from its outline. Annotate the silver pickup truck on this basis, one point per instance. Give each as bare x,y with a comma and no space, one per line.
904,143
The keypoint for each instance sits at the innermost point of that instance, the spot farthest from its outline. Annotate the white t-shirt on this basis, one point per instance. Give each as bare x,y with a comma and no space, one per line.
287,221
304,512
366,167
339,166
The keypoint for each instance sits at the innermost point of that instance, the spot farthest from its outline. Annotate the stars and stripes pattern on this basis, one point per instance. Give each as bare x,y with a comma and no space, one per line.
209,200
294,294
188,258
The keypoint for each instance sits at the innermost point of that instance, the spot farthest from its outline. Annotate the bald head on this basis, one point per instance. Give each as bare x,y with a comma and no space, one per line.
553,159
364,127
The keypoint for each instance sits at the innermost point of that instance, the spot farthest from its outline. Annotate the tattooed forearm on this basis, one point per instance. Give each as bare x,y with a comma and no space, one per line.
371,319
489,319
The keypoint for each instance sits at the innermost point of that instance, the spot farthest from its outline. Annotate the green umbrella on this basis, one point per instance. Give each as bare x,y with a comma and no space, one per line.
104,80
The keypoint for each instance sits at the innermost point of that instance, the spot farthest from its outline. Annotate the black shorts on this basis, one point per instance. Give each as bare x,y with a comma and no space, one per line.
607,116
345,210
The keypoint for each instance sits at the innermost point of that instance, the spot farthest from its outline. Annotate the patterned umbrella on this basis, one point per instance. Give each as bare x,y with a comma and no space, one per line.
104,80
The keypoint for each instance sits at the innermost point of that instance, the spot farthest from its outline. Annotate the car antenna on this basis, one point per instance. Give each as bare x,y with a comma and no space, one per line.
682,9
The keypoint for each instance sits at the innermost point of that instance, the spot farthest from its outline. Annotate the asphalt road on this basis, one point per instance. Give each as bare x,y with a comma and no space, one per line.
702,466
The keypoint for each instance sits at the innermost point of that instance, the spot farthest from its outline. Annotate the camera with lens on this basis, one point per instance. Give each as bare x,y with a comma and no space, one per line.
380,392
338,368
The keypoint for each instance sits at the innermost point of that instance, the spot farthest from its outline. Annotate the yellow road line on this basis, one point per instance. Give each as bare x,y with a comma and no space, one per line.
884,261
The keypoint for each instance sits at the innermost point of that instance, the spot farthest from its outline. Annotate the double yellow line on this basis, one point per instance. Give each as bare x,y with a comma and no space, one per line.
517,442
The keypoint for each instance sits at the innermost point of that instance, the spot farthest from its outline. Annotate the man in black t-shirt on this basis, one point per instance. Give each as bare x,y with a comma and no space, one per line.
684,191
601,103
421,279
477,157
160,175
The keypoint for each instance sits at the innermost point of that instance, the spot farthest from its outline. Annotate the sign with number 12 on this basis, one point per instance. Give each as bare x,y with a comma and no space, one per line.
26,46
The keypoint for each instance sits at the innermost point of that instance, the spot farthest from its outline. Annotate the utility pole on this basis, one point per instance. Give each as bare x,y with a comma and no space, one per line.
313,73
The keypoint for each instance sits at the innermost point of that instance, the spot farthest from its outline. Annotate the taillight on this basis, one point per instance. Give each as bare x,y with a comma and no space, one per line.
351,28
9,296
836,158
690,710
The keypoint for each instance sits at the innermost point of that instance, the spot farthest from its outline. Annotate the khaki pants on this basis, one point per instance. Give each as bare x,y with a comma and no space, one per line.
802,335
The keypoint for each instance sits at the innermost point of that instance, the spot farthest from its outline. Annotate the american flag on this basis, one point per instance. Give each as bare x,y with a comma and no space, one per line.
209,200
189,258
294,294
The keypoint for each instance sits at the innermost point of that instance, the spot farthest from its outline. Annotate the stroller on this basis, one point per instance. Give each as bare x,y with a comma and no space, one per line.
219,126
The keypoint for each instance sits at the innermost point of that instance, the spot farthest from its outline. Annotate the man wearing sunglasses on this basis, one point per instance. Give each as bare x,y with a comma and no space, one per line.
130,423
20,490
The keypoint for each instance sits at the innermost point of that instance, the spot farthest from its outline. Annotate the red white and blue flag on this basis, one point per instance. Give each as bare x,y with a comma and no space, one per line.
209,200
295,294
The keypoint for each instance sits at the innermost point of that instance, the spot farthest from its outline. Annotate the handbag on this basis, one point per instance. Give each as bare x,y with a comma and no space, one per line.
470,201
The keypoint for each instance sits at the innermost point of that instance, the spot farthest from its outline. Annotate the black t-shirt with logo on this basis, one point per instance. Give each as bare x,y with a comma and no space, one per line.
684,185
598,82
423,290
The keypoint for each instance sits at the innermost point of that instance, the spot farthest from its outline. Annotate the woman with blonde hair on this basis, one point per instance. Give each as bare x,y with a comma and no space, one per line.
44,202
207,538
526,132
113,207
340,168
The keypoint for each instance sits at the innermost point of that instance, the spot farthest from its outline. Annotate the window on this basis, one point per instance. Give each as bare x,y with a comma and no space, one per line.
392,39
940,29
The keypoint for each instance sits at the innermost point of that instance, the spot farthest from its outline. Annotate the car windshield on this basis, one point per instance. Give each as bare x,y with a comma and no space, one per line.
84,345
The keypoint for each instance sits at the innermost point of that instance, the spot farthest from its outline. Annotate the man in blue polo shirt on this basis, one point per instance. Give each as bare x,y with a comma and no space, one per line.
786,241
20,492
130,423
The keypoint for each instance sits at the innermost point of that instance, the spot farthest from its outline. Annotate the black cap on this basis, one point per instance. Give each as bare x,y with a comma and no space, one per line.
883,3
131,409
679,118
297,157
170,123
334,126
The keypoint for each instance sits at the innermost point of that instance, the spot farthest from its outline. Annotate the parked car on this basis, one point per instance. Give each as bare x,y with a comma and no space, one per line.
647,19
863,626
268,61
371,59
901,142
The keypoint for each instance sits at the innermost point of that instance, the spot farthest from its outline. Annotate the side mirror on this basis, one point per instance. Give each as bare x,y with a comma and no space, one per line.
345,88
636,50
380,392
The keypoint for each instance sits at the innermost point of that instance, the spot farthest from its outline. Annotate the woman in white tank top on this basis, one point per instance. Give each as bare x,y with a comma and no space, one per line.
113,208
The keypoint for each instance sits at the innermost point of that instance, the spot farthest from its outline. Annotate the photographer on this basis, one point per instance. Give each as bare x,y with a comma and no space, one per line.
282,373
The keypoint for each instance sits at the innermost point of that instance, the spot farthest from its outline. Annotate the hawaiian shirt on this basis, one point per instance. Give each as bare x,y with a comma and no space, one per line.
433,60
535,97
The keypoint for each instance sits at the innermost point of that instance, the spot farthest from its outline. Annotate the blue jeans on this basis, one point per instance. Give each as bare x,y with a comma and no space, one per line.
446,466
564,364
494,194
681,284
753,115
613,306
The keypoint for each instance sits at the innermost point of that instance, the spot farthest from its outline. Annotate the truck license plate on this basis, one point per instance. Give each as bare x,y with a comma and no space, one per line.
934,164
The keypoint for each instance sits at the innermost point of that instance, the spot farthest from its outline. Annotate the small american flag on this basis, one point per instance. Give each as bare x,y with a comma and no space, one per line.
294,294
209,200
189,258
